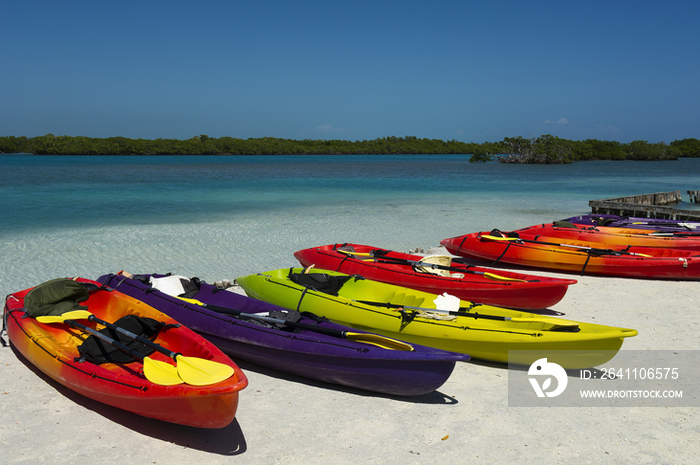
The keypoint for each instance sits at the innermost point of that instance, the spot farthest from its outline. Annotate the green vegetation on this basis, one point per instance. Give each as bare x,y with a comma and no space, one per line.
543,149
551,149
204,145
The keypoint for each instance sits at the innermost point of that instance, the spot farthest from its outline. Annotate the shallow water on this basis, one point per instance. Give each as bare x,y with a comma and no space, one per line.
221,216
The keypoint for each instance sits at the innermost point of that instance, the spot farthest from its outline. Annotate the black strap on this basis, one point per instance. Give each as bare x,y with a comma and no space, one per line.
502,254
407,317
316,318
588,257
303,293
192,287
109,278
459,248
90,287
345,256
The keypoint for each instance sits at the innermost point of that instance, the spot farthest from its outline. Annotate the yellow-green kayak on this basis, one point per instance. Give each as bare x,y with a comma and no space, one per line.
482,331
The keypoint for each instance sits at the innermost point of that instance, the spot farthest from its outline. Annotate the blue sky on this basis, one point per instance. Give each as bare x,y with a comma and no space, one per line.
355,70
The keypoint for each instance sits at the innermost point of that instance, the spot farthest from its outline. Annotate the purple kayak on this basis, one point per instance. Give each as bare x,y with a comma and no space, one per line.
634,222
302,344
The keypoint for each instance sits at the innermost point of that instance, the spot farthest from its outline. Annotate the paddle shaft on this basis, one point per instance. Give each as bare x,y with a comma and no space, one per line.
135,337
414,263
476,316
317,329
406,261
675,234
436,266
190,370
590,250
667,224
457,313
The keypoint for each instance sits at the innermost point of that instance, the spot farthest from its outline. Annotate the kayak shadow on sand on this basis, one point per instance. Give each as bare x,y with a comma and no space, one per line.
229,440
436,397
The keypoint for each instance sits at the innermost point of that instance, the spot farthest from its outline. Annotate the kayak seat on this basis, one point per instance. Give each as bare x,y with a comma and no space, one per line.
442,260
320,282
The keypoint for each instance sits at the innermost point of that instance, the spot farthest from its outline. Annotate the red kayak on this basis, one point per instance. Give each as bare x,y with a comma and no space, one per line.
577,256
611,236
144,381
437,274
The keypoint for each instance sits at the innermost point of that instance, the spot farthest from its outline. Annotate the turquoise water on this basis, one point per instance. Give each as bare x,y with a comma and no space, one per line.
61,192
222,216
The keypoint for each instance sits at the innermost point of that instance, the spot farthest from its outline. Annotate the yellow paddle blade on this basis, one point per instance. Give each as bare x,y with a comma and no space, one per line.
379,341
72,315
192,301
161,373
348,252
496,238
200,371
503,278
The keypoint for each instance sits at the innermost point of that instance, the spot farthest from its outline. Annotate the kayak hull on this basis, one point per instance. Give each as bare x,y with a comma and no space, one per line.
571,257
482,338
304,353
478,284
52,348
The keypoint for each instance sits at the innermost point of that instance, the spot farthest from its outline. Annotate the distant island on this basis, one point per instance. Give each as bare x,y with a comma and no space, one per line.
543,149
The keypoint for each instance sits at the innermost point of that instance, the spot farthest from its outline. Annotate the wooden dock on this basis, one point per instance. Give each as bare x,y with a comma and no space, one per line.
648,206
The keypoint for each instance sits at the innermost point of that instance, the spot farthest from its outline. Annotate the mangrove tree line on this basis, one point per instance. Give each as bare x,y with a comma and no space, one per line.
542,149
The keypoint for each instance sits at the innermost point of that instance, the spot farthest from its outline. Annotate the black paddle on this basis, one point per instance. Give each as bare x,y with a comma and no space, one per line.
426,264
589,250
192,370
367,338
463,311
155,371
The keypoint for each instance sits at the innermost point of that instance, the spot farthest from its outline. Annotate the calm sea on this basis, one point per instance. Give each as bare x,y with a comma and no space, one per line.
222,216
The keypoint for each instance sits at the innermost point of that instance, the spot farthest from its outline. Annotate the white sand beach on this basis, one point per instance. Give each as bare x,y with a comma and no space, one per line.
286,419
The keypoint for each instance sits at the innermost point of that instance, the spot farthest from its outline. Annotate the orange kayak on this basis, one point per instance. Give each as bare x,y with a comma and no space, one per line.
55,348
577,256
611,236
